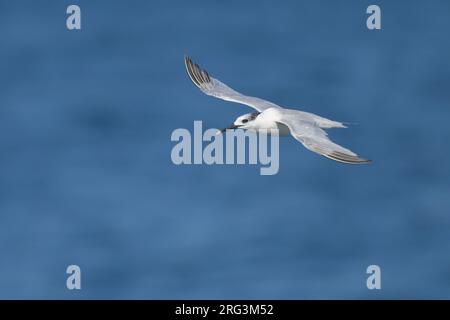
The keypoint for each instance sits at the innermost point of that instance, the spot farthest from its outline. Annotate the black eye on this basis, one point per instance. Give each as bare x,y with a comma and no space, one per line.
244,121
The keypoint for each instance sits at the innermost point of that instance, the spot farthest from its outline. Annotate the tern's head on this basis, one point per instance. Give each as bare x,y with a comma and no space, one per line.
243,122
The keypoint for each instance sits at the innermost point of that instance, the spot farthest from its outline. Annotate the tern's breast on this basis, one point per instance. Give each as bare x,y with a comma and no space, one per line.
267,121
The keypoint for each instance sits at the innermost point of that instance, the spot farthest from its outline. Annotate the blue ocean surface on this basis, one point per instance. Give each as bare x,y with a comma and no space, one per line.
86,175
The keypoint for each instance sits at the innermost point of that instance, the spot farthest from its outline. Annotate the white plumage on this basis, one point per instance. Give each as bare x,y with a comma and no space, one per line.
304,126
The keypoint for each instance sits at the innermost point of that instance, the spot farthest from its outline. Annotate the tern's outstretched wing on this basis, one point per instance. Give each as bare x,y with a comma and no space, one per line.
215,88
316,139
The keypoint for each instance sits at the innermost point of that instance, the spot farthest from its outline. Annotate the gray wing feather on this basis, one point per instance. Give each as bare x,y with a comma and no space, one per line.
215,88
316,139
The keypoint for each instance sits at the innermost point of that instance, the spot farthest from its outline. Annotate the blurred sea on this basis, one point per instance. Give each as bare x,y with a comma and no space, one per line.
86,176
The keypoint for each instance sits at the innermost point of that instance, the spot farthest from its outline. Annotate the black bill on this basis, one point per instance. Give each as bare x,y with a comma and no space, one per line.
233,126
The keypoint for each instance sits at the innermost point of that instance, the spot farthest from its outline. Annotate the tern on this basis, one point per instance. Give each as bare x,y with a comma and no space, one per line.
305,127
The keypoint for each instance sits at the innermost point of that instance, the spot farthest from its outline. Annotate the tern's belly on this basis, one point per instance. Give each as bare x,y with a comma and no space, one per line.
274,128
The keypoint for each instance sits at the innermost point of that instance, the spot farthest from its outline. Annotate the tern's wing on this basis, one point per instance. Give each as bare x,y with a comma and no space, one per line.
316,139
215,88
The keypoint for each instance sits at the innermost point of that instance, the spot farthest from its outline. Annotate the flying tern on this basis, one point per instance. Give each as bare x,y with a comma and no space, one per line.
305,127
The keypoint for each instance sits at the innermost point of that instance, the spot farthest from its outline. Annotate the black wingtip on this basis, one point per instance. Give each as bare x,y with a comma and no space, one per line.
348,159
197,75
189,69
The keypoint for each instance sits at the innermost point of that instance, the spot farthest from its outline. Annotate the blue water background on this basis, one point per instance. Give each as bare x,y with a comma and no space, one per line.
86,176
